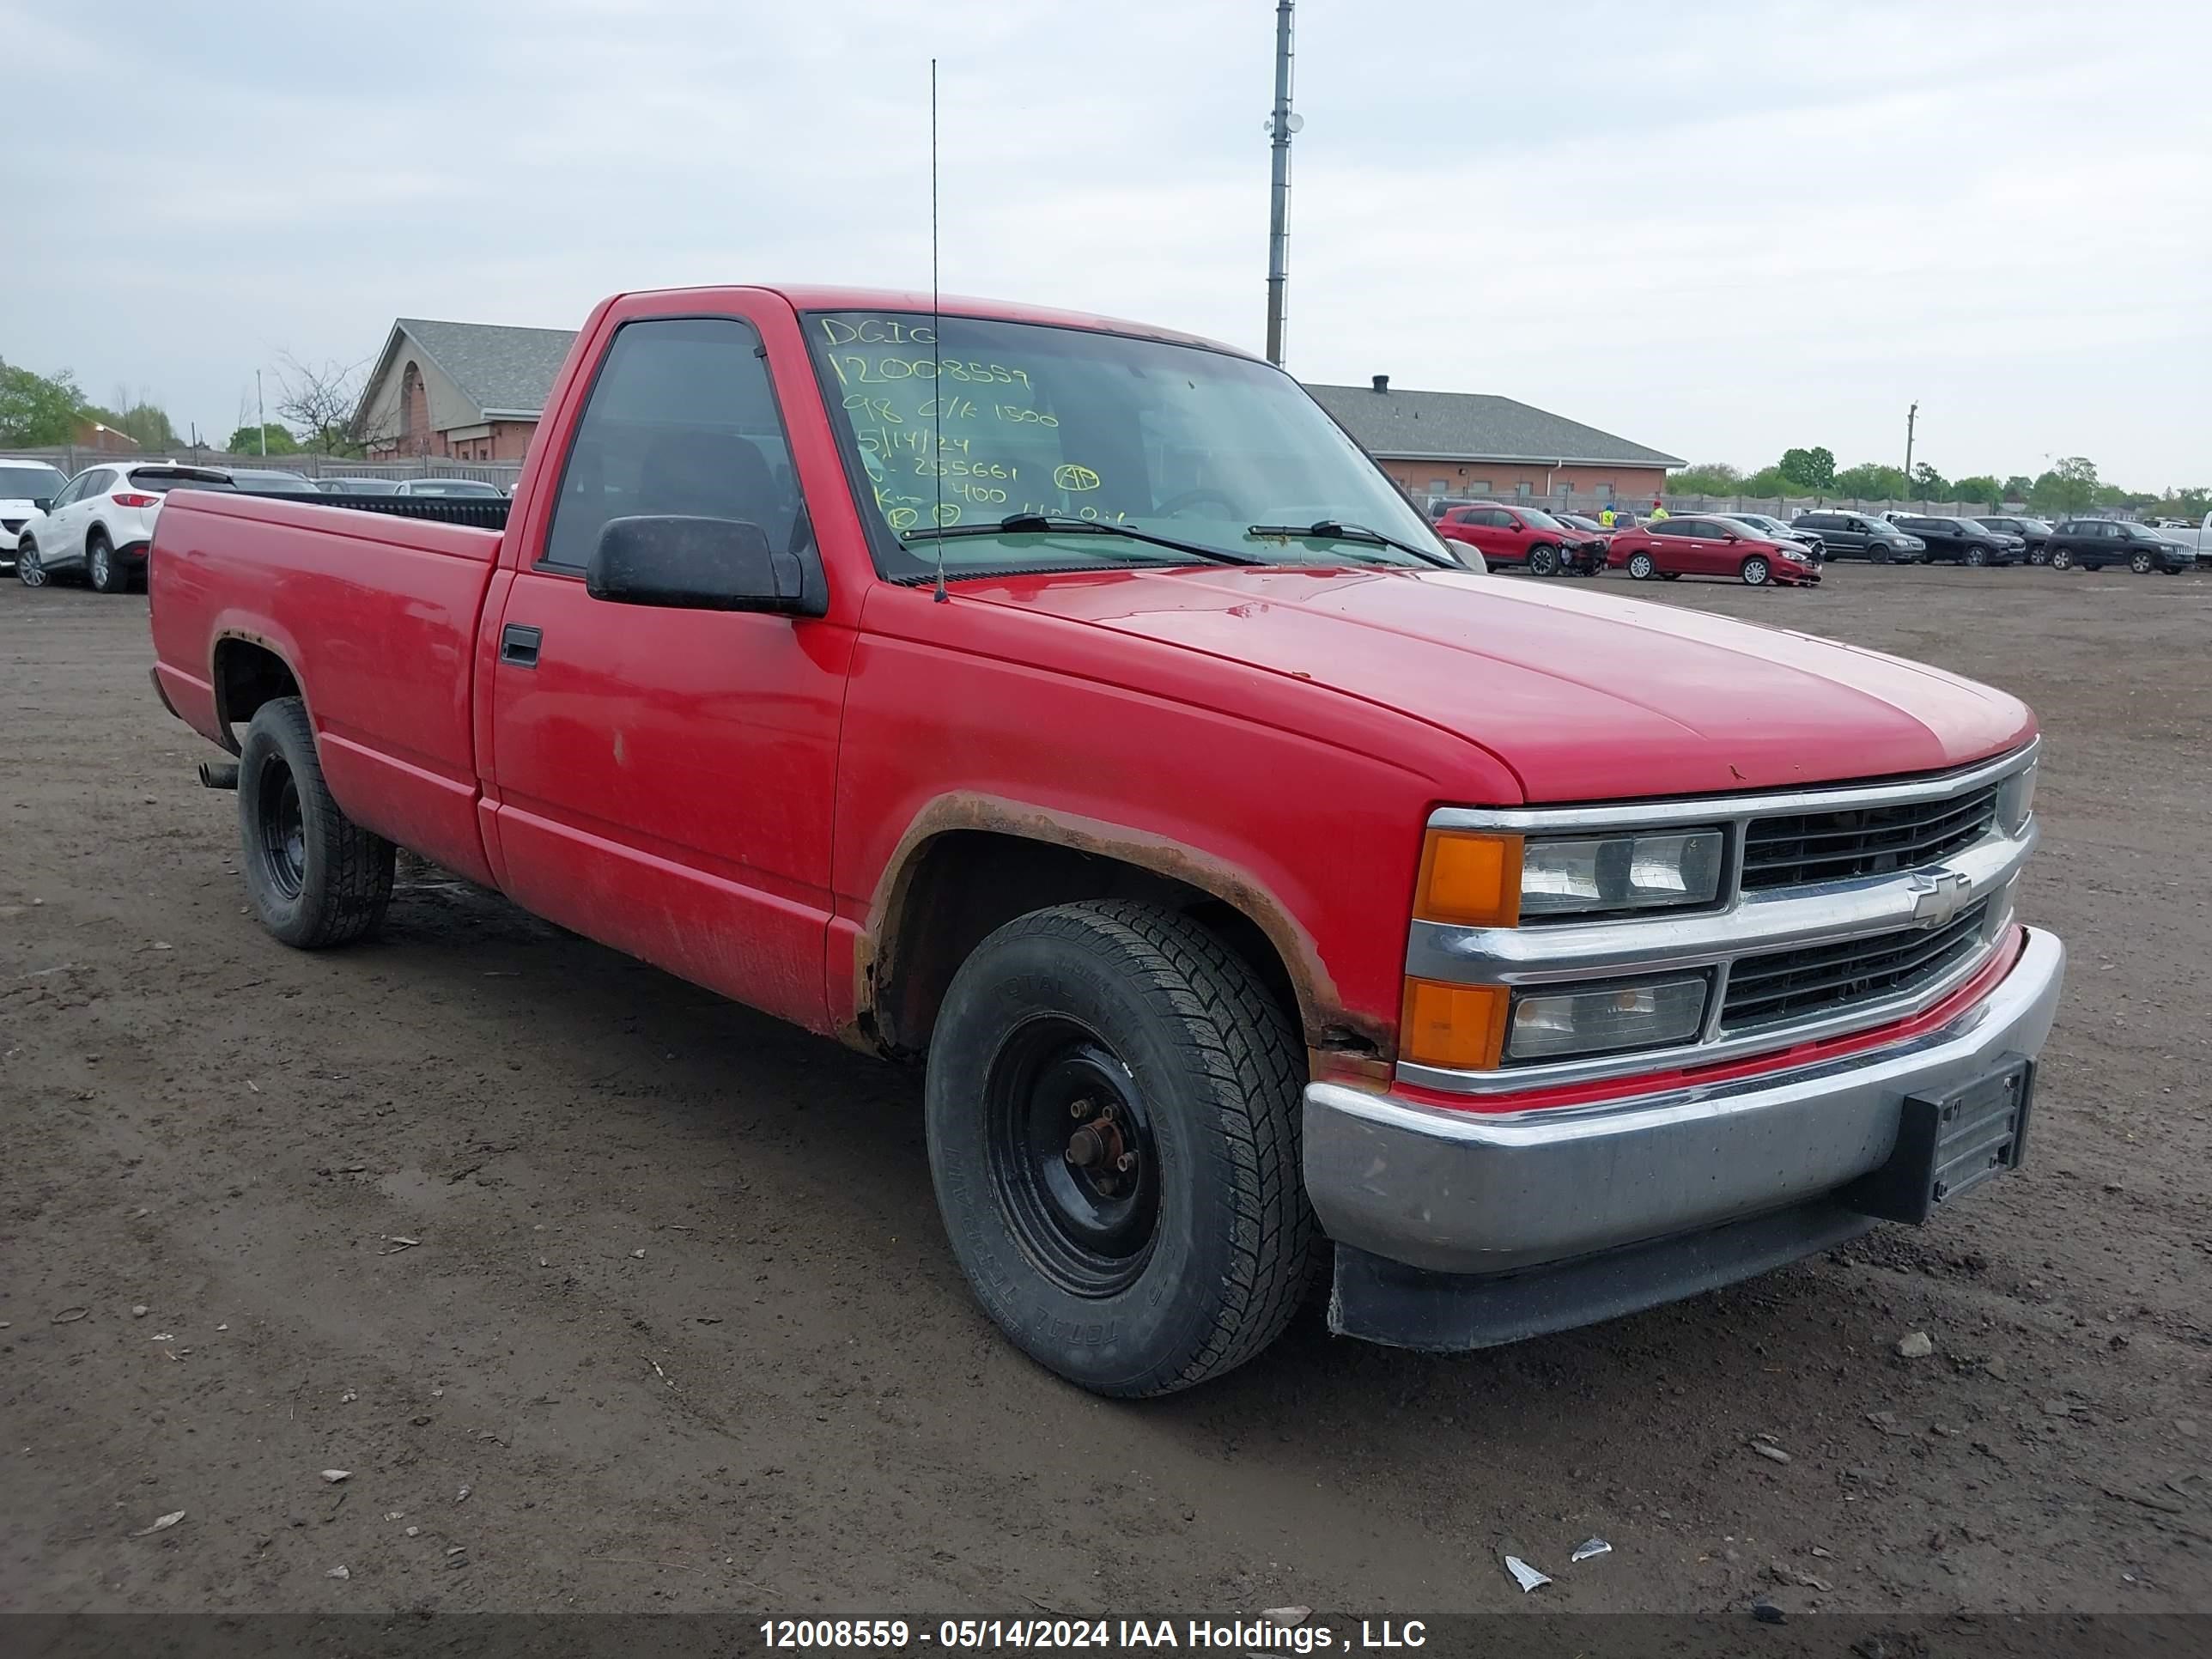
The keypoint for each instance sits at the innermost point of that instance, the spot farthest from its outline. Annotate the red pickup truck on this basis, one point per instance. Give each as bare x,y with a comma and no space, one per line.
1275,903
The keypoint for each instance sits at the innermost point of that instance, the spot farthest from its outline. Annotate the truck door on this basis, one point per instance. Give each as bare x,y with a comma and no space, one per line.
665,777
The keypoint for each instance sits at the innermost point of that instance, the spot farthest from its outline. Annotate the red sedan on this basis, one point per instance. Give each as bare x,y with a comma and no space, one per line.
1693,545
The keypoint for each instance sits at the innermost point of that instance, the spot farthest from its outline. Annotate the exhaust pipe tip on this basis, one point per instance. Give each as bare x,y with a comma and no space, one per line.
218,775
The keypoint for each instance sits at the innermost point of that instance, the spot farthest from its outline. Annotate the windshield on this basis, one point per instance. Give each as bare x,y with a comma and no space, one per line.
1538,519
1182,442
451,487
29,483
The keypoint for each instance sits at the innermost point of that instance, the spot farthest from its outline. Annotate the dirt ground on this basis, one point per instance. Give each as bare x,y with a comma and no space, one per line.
612,1296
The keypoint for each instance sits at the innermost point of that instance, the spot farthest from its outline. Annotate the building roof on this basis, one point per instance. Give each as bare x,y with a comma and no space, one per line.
505,372
1474,426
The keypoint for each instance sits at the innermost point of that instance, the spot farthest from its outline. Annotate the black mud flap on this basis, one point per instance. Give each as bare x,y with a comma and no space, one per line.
1948,1145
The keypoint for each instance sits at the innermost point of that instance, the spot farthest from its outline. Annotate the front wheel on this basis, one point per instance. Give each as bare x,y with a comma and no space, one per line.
2061,559
29,569
1756,572
1978,556
1543,560
1113,1117
2141,564
1641,567
313,876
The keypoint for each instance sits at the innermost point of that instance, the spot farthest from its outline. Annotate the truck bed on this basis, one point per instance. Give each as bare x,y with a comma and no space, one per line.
376,614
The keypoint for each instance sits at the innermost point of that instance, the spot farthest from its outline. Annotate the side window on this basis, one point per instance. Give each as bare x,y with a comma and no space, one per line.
1497,518
72,491
680,419
97,484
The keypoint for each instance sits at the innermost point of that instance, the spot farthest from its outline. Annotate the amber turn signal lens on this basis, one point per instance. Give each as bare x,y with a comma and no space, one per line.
1462,1027
1472,880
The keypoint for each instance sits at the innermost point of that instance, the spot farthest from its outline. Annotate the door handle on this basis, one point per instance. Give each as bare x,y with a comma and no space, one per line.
518,645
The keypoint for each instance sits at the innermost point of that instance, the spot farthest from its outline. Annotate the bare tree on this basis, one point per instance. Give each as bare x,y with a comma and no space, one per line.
321,404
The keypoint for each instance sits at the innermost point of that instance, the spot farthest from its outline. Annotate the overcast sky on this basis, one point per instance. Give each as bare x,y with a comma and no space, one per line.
1718,228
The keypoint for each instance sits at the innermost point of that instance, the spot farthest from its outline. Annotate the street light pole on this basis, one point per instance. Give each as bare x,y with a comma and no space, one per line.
1910,416
261,414
1280,124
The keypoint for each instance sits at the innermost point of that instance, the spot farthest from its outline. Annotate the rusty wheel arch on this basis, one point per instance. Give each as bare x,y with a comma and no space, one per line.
929,910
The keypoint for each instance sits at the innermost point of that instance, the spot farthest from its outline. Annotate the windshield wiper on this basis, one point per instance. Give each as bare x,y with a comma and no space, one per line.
1031,524
1328,529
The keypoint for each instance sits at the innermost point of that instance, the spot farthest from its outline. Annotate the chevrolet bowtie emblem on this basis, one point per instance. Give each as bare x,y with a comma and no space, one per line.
1938,895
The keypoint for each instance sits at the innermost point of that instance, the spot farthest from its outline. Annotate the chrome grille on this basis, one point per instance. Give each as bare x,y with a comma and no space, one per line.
1804,847
1820,979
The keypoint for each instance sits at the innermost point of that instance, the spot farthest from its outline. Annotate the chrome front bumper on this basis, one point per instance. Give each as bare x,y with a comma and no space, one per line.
1466,1192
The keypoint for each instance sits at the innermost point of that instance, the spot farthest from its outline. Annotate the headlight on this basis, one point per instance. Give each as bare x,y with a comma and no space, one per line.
1620,872
1470,880
1553,1024
1797,558
2016,801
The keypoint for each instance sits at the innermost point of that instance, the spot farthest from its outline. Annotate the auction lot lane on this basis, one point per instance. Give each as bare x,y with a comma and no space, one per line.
659,1283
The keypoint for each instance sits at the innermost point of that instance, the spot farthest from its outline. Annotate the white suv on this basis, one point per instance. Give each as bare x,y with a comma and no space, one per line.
102,520
26,489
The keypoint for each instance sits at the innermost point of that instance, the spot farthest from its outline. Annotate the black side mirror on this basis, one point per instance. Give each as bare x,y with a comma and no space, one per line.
43,503
695,564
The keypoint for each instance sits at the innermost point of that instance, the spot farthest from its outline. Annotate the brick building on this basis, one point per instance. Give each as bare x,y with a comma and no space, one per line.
1472,445
471,392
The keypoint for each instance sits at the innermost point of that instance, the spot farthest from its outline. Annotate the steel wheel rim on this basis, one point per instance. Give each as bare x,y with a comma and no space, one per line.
1073,1159
281,830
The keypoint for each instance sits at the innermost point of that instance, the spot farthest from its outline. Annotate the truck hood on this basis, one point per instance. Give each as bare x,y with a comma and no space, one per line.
1584,695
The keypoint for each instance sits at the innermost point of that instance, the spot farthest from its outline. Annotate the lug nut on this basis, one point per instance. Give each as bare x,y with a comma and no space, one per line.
1126,1163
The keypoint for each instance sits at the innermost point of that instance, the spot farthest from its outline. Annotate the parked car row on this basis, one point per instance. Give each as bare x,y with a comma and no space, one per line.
98,524
1761,550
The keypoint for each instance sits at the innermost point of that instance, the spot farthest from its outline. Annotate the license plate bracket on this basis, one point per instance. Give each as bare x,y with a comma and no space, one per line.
1949,1143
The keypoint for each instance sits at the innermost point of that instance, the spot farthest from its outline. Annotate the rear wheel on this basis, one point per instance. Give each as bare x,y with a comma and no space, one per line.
2061,558
1112,1110
314,877
102,567
1543,560
1756,572
1670,575
1641,567
2038,556
29,570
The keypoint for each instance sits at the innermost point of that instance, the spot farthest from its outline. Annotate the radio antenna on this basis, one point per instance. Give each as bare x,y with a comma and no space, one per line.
936,341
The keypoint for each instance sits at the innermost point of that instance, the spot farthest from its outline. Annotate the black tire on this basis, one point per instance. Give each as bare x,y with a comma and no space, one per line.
1127,1279
30,569
1543,560
313,876
2061,558
1756,572
1670,575
2038,556
1641,568
1978,556
2143,563
102,567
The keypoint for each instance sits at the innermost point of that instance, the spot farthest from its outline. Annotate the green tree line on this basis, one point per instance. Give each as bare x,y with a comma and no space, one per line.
2070,485
42,411
37,411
